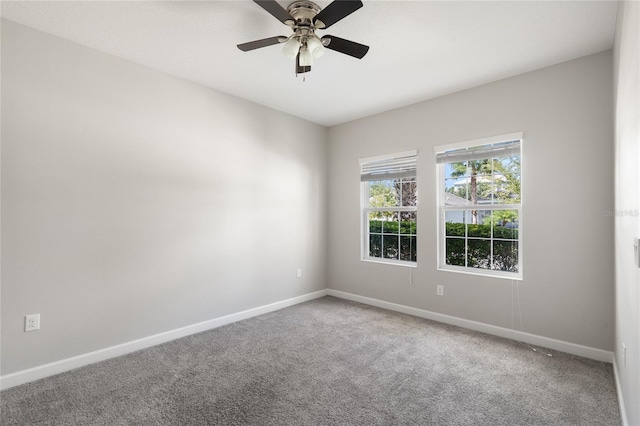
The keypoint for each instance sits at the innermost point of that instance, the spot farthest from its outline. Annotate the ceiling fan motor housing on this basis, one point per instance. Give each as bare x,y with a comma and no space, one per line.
303,11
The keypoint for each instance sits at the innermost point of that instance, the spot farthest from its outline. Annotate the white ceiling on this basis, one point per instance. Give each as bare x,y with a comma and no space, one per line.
419,49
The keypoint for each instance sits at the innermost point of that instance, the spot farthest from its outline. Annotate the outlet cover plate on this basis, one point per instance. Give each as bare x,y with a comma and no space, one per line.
32,322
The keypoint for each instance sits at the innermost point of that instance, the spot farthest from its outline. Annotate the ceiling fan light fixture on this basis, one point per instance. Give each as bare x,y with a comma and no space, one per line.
291,48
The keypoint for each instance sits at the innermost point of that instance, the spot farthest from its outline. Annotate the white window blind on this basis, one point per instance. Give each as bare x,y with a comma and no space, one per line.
396,166
502,149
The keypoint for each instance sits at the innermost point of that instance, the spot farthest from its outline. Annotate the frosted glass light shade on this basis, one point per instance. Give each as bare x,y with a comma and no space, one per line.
306,58
315,46
291,48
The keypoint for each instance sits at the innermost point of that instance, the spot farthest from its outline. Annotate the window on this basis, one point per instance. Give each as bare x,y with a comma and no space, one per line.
389,208
480,207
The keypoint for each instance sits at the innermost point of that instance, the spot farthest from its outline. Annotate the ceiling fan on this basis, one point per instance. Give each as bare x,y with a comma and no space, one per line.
305,18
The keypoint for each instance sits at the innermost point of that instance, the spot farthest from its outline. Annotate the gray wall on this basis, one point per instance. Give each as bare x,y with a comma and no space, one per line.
565,112
135,203
124,213
627,222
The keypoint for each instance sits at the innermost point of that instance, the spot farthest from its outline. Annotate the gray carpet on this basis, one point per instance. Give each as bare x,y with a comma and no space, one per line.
326,362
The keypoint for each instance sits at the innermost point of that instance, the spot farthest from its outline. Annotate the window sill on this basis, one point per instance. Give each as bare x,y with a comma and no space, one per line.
391,262
482,273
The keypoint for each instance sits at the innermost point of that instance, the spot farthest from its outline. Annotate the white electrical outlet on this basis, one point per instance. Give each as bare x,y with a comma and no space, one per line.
32,322
298,272
440,290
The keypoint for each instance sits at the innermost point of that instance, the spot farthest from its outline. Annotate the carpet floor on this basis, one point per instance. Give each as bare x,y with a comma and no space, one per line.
326,362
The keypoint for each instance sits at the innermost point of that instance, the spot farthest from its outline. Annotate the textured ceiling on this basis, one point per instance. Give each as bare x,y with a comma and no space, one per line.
419,49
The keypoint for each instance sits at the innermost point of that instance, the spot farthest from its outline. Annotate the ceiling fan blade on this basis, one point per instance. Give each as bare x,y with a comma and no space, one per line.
299,69
275,10
336,11
257,44
347,47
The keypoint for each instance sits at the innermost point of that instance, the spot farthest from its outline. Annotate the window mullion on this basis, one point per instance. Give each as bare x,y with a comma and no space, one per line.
466,240
393,209
492,222
483,207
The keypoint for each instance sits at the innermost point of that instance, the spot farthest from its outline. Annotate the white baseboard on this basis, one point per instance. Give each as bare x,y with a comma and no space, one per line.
623,412
558,345
46,370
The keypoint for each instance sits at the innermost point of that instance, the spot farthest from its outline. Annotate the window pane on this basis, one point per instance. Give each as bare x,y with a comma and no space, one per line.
479,253
508,164
505,224
455,220
507,189
454,251
484,190
507,178
408,223
382,193
477,218
390,223
470,194
497,189
409,192
408,248
455,170
375,223
456,192
390,246
375,245
479,231
505,256
479,190
479,223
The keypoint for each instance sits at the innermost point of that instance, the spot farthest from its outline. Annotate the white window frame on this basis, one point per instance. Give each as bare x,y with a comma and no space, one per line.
365,209
442,209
